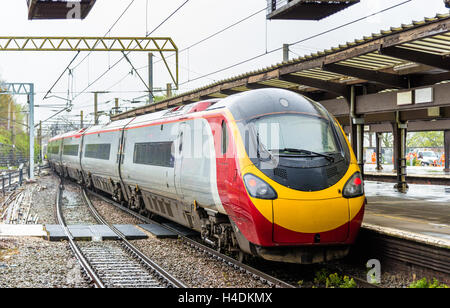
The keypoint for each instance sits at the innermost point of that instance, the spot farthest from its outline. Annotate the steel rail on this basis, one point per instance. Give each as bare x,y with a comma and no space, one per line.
82,260
156,269
257,274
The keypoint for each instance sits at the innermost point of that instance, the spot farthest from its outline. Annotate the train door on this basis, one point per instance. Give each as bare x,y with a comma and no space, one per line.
178,158
60,163
119,162
170,172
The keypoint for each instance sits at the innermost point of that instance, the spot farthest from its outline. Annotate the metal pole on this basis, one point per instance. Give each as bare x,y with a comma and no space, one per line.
447,150
9,114
150,77
81,120
31,125
96,108
169,90
13,137
285,52
40,141
117,106
378,138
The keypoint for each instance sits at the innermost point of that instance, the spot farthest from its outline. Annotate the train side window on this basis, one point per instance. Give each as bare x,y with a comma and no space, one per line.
154,153
70,150
224,137
98,151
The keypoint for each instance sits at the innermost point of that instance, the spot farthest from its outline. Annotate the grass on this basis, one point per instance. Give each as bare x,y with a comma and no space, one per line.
334,280
424,283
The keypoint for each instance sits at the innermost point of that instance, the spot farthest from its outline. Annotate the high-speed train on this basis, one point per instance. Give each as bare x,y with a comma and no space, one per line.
266,172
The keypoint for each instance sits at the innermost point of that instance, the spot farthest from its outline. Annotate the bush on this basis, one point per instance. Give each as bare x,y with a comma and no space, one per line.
333,280
426,284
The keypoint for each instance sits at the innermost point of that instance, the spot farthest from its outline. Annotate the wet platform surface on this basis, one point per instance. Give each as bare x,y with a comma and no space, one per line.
424,210
93,232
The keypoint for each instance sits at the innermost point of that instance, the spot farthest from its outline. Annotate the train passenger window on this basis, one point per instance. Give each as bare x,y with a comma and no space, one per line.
71,150
98,151
224,137
154,153
53,149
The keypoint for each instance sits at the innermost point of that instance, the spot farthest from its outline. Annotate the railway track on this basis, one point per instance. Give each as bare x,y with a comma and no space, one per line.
255,273
114,264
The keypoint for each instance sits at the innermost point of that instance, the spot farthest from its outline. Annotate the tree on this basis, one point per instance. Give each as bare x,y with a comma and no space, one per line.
425,140
13,130
387,140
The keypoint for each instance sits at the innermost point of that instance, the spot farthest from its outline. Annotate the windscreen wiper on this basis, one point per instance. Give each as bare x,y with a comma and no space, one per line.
307,152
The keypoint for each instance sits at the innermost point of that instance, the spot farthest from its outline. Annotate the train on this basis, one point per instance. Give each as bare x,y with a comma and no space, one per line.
267,173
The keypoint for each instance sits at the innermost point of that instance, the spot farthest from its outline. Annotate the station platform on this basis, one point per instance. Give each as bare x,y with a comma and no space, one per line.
415,174
422,214
412,170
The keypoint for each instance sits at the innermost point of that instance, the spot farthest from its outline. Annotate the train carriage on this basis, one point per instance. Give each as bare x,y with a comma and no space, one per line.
265,172
70,155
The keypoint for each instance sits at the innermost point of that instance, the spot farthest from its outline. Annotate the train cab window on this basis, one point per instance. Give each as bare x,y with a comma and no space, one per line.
154,153
98,151
224,137
71,150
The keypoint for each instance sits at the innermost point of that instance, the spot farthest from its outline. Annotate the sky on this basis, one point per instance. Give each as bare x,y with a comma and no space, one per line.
196,20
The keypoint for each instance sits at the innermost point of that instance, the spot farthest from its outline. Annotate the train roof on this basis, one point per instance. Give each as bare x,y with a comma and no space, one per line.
139,120
243,106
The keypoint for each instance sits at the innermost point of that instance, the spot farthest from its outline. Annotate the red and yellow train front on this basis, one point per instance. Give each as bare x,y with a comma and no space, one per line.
298,194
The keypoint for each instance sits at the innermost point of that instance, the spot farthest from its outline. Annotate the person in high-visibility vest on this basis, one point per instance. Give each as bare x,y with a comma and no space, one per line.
374,158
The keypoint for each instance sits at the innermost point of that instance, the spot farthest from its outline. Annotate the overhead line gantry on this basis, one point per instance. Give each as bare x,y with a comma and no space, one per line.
161,45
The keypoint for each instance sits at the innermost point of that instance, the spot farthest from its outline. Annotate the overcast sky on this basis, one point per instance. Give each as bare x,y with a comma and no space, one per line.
193,22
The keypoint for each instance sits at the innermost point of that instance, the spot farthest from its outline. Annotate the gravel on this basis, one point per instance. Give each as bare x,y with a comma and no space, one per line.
37,263
75,210
44,200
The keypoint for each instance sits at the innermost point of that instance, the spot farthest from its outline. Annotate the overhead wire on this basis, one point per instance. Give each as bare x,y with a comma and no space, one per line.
204,40
297,42
123,57
109,30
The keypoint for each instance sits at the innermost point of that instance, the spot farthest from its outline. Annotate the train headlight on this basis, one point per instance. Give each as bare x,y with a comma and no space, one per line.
257,188
354,186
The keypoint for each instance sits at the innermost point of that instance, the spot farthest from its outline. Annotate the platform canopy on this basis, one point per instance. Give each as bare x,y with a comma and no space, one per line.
305,9
59,9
